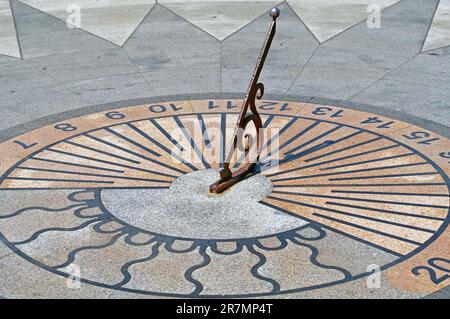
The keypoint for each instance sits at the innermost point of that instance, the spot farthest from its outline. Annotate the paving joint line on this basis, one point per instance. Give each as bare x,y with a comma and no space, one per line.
429,25
301,20
221,68
359,23
139,24
384,76
401,64
62,21
302,69
184,19
63,85
150,87
15,29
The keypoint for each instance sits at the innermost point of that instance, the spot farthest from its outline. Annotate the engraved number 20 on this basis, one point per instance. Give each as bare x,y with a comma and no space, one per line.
435,264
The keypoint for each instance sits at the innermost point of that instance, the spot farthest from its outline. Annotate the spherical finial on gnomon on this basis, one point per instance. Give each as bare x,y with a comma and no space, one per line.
274,13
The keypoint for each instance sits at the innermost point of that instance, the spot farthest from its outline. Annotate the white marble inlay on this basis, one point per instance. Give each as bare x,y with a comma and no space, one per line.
220,18
8,39
327,18
439,34
113,20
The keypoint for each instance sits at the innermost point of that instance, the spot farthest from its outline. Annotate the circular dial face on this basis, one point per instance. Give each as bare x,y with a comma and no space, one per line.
343,202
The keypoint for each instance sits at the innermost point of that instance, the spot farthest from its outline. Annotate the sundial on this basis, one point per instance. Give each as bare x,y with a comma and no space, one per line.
232,198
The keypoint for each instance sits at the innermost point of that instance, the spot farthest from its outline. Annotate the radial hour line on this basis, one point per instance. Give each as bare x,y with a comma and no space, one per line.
314,139
360,185
194,146
205,135
161,146
294,157
278,134
268,120
340,221
346,148
383,221
326,162
368,161
298,135
358,154
131,141
386,211
130,152
389,193
300,168
349,172
383,176
87,188
91,174
333,160
77,165
323,146
334,142
174,142
166,134
343,222
102,152
320,224
358,199
115,164
59,180
148,137
121,148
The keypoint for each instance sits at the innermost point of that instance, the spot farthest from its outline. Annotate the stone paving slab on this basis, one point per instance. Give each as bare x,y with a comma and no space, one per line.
82,65
41,34
327,19
11,118
353,60
438,35
174,56
8,39
418,87
42,101
21,279
4,59
26,78
114,87
220,18
99,18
